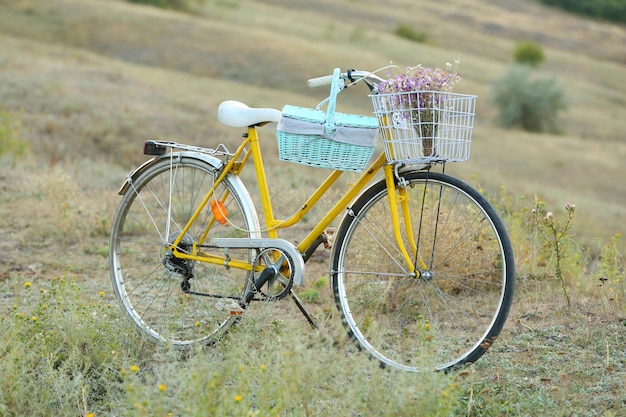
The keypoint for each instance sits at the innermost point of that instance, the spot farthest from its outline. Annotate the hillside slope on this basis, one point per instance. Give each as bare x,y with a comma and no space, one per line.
94,78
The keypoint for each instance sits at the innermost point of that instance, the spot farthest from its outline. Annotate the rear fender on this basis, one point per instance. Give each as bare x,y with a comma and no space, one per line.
239,188
133,175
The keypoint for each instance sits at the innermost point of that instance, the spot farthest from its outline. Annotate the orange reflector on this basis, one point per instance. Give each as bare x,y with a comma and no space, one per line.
219,211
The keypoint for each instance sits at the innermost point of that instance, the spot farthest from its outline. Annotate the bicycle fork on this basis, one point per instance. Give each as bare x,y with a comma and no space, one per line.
399,204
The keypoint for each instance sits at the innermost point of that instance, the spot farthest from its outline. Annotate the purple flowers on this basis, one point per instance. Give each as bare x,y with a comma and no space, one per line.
419,89
418,98
421,79
416,84
420,109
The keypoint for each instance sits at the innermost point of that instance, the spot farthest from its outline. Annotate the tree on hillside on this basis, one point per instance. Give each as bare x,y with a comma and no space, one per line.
611,10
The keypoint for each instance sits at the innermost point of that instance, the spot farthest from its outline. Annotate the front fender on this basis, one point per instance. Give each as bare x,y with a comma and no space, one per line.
133,175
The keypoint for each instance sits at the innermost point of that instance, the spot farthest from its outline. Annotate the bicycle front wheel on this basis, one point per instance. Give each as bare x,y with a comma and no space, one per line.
174,300
450,308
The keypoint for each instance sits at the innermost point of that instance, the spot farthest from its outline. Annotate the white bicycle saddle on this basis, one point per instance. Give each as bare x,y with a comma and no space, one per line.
236,114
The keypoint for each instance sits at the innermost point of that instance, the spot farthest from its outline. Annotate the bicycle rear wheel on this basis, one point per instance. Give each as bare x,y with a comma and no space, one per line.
439,316
173,300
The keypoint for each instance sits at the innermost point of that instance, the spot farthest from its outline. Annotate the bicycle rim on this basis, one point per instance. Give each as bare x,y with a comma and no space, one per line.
450,312
173,300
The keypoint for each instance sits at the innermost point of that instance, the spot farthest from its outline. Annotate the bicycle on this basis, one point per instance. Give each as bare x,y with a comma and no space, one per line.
424,270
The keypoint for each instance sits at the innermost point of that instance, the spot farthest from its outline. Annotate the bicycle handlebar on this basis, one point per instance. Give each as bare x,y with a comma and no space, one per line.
351,75
320,81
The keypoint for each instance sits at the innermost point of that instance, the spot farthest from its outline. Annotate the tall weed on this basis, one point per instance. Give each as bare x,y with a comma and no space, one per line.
610,274
555,233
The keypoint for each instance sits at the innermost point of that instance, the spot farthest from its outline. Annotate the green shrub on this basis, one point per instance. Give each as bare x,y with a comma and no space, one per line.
10,141
183,5
528,53
531,103
407,32
310,295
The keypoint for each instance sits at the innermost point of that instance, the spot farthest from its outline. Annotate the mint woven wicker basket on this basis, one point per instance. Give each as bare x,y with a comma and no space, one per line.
328,139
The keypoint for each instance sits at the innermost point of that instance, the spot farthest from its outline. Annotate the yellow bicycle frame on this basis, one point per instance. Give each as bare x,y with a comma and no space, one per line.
239,160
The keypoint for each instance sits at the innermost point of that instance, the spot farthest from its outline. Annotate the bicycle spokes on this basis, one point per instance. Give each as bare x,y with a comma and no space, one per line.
447,308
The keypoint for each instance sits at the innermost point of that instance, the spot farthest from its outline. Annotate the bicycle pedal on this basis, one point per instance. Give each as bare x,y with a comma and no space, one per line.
330,233
233,308
236,311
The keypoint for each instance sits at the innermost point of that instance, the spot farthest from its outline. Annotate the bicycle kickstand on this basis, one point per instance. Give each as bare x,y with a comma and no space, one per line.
303,310
267,274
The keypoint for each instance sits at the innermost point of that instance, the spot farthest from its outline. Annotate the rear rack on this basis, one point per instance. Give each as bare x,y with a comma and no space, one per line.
159,147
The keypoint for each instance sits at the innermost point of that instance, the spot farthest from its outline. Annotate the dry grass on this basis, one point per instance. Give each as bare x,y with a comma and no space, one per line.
90,80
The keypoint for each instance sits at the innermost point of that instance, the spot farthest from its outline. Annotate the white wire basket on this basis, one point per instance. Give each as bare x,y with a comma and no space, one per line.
423,127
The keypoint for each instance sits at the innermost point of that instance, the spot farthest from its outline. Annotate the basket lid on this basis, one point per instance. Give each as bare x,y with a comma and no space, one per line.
319,116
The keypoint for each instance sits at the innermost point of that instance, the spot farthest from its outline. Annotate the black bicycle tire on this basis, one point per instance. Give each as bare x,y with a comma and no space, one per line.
345,233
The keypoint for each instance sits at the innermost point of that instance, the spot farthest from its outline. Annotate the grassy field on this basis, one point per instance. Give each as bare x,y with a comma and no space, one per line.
84,82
